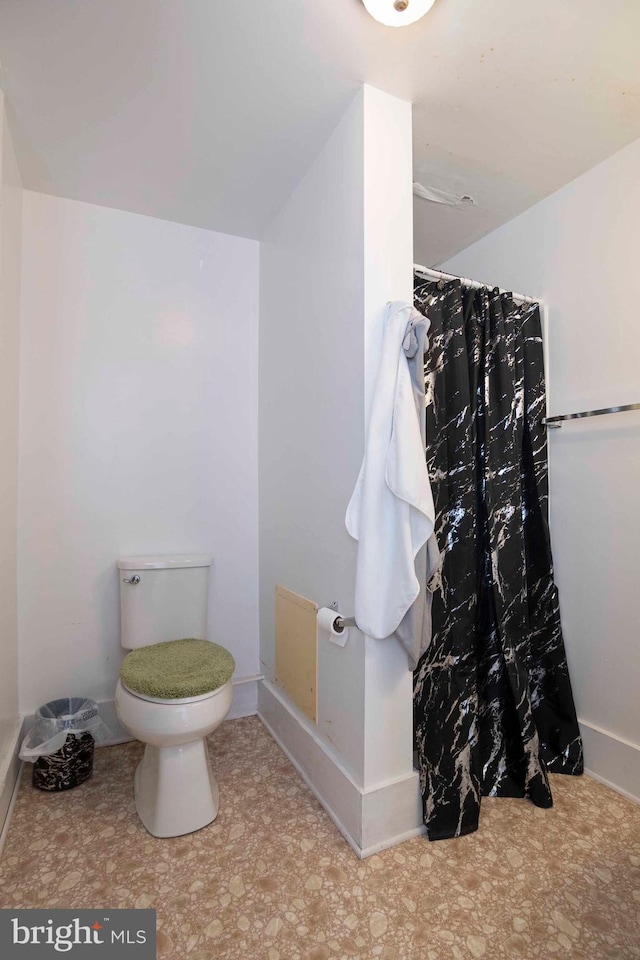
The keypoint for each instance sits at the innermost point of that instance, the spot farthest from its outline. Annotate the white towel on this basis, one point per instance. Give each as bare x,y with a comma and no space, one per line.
391,512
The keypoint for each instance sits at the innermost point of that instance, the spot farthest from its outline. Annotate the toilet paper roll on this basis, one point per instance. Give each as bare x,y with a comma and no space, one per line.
327,622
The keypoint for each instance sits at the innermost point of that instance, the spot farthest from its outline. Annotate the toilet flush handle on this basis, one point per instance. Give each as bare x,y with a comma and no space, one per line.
134,579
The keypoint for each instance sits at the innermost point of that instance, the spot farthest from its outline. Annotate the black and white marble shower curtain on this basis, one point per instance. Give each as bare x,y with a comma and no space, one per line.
493,706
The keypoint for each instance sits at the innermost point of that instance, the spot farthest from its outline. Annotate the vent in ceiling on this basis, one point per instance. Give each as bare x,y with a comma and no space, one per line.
442,196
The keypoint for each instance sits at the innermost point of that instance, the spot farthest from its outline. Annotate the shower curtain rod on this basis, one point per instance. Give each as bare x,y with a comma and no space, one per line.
474,284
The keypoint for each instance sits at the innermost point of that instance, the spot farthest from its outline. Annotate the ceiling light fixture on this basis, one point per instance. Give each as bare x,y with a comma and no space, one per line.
398,13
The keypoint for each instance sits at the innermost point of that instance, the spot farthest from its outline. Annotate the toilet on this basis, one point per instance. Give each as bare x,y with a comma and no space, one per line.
174,689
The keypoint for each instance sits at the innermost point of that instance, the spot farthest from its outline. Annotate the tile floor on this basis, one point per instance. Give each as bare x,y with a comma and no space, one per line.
272,879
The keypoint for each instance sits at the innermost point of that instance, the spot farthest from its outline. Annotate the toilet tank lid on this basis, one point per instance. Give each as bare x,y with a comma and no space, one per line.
165,561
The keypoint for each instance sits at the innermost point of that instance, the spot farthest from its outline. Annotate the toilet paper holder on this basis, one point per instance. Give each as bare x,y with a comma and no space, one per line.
341,623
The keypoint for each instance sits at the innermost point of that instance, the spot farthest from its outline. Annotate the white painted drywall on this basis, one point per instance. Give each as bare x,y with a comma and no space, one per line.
10,247
311,375
578,250
337,251
388,275
138,420
10,261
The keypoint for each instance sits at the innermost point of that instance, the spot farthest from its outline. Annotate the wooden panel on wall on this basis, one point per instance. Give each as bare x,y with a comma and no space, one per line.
296,649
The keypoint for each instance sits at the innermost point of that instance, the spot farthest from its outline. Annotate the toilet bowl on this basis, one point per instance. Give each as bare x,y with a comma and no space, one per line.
172,693
175,791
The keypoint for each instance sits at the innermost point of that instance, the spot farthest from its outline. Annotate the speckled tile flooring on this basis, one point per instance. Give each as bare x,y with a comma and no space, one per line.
272,879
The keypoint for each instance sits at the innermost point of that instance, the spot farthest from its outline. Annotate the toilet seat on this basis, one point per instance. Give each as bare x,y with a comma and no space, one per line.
170,701
176,671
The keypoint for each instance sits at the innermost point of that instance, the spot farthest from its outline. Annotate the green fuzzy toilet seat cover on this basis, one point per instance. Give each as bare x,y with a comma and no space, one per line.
177,669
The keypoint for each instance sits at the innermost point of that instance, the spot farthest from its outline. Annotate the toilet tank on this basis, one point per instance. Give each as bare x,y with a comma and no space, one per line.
168,601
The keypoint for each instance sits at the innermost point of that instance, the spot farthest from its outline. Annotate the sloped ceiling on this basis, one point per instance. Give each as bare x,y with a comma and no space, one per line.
208,112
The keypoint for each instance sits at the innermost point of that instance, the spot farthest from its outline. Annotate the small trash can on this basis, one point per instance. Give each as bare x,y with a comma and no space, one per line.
60,744
68,767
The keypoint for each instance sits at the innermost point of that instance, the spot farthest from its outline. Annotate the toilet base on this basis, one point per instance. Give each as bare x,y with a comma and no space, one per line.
175,790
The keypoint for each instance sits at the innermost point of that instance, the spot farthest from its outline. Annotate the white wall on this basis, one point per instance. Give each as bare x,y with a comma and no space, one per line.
311,375
338,250
388,275
138,419
10,244
578,250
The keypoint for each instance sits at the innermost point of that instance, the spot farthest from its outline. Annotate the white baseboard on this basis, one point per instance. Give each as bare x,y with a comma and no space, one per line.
12,802
369,820
327,780
110,719
244,704
245,698
391,814
10,767
612,760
